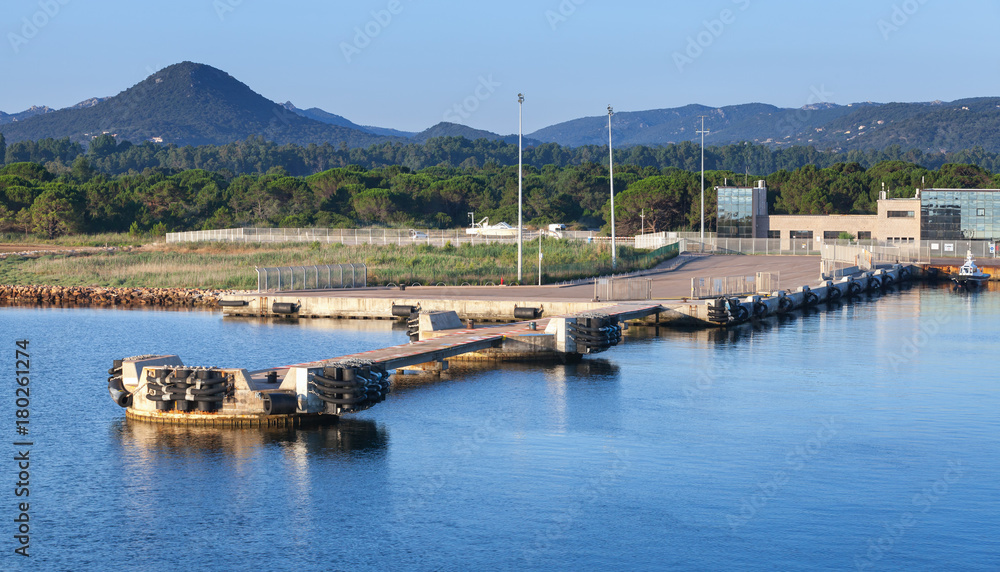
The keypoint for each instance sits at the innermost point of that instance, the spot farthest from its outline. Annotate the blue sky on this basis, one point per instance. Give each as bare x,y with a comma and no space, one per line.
416,60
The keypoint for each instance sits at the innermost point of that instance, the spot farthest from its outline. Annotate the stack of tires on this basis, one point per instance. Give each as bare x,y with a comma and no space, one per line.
187,389
413,326
350,387
595,333
115,386
725,311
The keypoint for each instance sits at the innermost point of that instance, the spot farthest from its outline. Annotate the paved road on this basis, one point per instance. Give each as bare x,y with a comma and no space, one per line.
794,271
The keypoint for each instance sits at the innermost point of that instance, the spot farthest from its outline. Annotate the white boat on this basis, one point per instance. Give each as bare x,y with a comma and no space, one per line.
969,275
498,230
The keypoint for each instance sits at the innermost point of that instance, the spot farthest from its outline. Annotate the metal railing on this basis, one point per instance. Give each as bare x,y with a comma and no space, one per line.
714,287
375,236
883,252
623,289
317,277
840,258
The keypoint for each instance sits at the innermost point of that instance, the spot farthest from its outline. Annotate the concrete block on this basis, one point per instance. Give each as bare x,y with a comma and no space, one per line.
563,341
437,321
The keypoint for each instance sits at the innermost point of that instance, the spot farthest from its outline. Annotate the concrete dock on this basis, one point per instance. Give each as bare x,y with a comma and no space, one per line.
670,288
547,325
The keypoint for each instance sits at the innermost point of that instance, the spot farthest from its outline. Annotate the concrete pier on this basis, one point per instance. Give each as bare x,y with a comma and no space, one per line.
162,389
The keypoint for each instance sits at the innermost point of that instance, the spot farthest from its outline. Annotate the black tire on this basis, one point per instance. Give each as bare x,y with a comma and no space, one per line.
742,314
760,310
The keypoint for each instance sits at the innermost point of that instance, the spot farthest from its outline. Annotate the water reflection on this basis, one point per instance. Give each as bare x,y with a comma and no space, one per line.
321,324
141,439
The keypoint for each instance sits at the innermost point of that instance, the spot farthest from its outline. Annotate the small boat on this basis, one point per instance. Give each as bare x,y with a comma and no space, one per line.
969,275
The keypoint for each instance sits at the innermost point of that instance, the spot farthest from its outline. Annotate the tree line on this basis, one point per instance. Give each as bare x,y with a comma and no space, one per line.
35,198
255,155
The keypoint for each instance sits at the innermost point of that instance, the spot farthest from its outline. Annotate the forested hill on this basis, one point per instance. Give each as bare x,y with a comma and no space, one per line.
36,200
196,104
186,104
254,155
930,127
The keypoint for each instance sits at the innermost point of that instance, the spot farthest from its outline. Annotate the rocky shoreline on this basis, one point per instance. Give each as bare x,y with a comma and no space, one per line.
90,296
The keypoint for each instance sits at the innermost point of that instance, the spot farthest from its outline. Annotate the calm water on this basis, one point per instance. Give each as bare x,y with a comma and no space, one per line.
863,438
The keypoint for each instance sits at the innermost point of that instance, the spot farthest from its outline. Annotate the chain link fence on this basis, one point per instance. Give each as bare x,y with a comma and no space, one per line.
317,277
616,289
714,287
375,236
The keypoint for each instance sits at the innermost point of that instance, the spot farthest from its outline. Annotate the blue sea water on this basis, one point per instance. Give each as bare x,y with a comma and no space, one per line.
863,438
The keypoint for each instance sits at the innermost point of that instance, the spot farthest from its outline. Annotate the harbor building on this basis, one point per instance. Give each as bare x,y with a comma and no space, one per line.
960,214
742,211
933,214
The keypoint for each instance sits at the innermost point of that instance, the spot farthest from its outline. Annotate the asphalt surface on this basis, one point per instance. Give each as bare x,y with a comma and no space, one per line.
669,281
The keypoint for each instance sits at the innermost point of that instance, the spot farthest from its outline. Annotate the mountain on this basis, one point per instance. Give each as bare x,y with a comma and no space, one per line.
445,129
933,126
196,104
186,104
333,119
31,112
88,102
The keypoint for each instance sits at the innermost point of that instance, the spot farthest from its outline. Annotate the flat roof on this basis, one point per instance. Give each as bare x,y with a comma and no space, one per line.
964,190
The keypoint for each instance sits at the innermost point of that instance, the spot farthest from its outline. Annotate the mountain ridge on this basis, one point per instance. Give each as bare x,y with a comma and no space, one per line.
196,104
186,104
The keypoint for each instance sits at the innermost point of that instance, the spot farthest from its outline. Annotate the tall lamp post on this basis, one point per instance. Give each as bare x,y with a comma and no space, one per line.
703,132
539,257
611,172
520,184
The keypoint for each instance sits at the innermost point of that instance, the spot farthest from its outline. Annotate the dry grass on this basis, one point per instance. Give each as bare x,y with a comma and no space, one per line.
231,266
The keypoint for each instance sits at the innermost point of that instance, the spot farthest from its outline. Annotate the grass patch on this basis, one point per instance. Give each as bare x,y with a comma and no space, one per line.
231,265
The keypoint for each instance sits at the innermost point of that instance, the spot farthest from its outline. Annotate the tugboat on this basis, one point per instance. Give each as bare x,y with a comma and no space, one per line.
969,275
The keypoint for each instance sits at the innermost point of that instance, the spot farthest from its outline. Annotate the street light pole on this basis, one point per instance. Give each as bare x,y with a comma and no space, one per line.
611,172
703,132
539,257
520,184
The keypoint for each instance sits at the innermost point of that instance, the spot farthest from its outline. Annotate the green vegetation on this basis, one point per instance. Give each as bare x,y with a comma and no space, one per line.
38,201
231,266
254,155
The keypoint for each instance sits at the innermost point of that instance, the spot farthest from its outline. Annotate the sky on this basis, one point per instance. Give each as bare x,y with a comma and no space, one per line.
410,64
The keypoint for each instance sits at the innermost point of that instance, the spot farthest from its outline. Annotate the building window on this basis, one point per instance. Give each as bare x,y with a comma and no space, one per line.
980,212
735,212
800,234
864,235
832,234
774,234
900,214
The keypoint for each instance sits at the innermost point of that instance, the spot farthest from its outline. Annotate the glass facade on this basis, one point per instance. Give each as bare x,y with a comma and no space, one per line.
949,214
735,212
